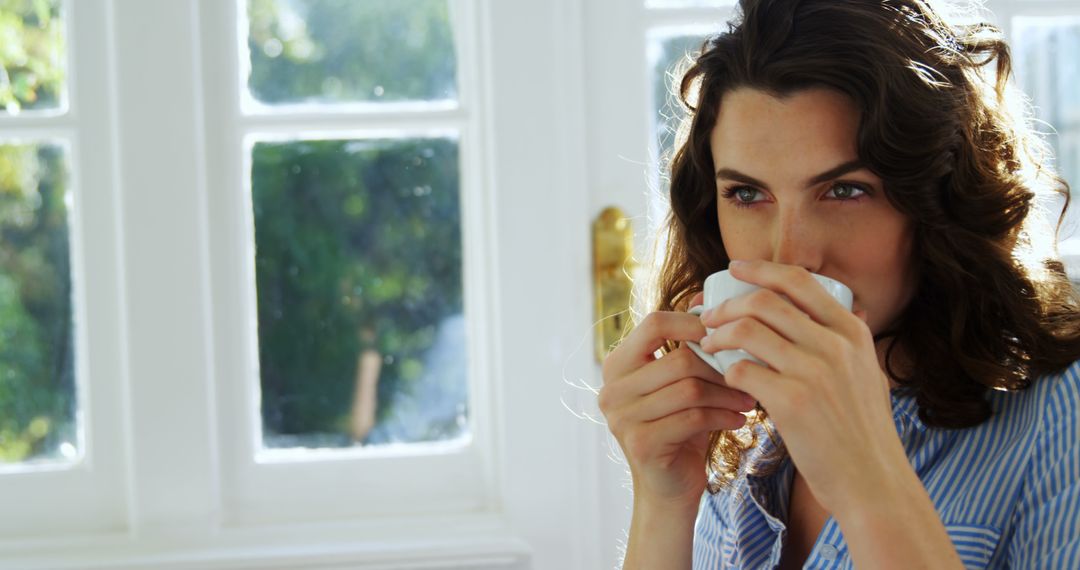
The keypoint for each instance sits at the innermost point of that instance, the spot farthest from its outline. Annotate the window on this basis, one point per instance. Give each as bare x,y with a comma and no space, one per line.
1044,46
358,253
38,400
218,255
1044,36
671,49
57,475
1049,73
348,162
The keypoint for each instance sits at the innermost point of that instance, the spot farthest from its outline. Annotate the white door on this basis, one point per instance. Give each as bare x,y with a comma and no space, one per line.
631,47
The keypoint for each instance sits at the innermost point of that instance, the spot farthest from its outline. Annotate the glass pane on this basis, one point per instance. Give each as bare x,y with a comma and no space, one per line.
342,51
1049,72
37,373
359,279
31,55
669,53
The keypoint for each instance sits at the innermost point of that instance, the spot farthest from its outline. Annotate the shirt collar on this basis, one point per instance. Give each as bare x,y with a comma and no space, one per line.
905,409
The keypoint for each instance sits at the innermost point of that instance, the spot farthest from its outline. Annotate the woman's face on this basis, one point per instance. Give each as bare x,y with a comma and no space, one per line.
790,189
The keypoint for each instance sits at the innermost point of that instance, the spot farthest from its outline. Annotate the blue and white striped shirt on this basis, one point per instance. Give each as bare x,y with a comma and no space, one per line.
1007,490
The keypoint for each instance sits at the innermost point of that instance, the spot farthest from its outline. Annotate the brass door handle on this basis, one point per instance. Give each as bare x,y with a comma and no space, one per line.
613,267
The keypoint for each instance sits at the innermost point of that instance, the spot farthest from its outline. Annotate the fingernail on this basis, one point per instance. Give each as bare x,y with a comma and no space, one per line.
701,342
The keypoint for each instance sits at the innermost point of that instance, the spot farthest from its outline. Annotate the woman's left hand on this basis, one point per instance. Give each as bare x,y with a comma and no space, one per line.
823,388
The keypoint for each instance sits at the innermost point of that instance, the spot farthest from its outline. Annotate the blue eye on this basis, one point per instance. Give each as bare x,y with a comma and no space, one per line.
745,194
742,196
845,191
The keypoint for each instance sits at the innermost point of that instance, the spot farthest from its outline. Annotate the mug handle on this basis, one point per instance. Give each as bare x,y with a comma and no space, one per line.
708,358
730,356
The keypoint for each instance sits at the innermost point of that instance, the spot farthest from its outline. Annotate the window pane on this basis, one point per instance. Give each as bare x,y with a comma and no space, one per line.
358,271
669,52
341,51
1049,72
31,56
37,378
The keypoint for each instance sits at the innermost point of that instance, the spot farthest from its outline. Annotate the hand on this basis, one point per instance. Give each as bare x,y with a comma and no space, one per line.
823,386
661,410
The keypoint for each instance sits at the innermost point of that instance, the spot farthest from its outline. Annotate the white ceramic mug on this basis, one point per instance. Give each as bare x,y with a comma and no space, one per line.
721,286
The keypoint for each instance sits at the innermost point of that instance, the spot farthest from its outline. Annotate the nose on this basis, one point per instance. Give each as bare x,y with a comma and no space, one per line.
797,240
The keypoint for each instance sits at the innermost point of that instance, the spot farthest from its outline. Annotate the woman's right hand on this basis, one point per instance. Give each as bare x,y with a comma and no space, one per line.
661,410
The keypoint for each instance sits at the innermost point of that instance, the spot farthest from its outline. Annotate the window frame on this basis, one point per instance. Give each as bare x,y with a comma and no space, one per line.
88,494
260,492
154,489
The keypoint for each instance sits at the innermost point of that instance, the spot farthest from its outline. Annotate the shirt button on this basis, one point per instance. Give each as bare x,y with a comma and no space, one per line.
829,552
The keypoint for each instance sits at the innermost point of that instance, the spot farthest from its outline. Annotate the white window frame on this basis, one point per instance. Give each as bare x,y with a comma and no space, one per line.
89,494
339,483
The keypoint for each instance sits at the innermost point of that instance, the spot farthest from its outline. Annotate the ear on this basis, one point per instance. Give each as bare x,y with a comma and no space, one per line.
697,299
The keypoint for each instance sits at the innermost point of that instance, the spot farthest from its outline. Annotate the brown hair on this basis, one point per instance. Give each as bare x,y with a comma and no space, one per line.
993,308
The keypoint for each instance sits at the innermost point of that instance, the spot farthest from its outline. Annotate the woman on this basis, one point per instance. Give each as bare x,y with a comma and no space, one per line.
937,425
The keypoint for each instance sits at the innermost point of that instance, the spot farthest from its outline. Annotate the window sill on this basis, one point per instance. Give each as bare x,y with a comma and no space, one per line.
457,544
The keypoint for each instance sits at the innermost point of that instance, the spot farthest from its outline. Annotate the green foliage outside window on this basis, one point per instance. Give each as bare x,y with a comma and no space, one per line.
358,241
37,392
358,246
328,51
31,50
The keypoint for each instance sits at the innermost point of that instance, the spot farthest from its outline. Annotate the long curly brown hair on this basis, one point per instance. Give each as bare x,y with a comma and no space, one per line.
993,308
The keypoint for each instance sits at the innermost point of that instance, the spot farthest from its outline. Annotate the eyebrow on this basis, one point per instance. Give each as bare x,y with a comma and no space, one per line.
835,172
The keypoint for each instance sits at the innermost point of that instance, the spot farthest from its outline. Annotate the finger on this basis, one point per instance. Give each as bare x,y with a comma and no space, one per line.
797,284
759,381
672,367
639,347
772,310
684,425
685,394
759,340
